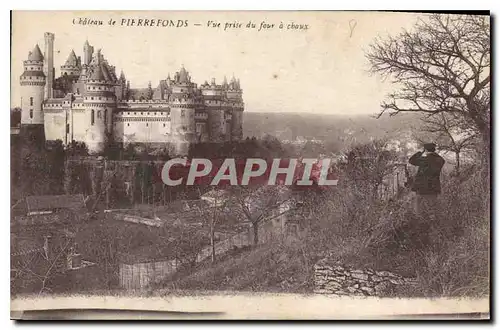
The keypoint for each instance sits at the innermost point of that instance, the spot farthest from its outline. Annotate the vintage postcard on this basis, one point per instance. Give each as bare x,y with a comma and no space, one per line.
250,165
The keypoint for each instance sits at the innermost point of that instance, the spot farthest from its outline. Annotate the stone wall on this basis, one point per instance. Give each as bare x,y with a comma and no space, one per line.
332,277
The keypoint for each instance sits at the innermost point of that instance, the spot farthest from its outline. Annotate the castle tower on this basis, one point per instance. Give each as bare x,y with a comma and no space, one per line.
235,103
214,103
32,89
100,101
49,64
88,51
182,110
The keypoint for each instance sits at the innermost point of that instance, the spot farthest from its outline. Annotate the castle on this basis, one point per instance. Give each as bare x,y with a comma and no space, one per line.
89,103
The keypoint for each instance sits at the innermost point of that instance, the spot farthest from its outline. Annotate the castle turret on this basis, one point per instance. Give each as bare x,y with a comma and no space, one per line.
49,64
71,67
32,89
214,103
182,110
88,51
99,100
236,106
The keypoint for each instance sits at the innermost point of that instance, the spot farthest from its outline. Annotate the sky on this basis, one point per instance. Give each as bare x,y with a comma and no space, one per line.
321,69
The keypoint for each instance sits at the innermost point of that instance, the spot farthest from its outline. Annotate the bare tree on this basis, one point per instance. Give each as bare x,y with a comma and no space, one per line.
214,214
441,66
449,135
259,204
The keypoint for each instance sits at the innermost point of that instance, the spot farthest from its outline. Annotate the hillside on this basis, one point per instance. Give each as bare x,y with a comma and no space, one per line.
289,126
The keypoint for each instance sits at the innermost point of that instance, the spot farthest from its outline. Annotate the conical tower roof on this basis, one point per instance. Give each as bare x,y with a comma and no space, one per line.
183,75
36,54
97,73
72,60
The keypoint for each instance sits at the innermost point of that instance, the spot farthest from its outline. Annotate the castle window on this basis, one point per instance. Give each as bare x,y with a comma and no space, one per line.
78,91
92,119
163,124
128,124
31,113
105,116
147,124
31,101
67,128
142,113
183,113
92,98
99,114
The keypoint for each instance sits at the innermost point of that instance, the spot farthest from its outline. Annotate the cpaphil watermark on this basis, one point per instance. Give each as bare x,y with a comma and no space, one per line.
230,171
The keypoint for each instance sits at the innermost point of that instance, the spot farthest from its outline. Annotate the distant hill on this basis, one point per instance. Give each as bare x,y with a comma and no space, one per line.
290,126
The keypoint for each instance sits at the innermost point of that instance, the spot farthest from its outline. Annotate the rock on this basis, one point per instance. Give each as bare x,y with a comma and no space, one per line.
340,278
351,289
360,276
368,290
358,271
322,291
322,271
341,292
333,285
385,273
411,281
381,287
376,278
356,286
396,281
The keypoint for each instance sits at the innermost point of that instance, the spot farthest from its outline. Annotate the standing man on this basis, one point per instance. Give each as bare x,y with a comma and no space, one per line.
427,184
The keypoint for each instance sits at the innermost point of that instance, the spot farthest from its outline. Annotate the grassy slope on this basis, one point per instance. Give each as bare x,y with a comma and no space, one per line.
276,268
457,267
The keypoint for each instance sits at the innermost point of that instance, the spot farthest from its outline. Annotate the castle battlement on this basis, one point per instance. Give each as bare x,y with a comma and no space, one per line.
89,103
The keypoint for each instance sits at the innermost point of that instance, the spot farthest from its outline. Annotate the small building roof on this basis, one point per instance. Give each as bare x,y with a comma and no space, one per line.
52,202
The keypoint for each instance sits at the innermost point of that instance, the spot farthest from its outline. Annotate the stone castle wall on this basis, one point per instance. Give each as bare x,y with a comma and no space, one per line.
338,279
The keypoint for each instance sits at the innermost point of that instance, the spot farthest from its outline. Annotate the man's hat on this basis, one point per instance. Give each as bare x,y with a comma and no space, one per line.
429,146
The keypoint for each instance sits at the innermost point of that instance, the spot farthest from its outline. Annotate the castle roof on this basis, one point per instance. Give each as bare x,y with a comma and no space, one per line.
36,54
72,60
97,73
105,72
183,75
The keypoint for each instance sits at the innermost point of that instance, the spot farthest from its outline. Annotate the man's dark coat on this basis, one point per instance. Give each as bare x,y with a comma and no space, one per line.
427,181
